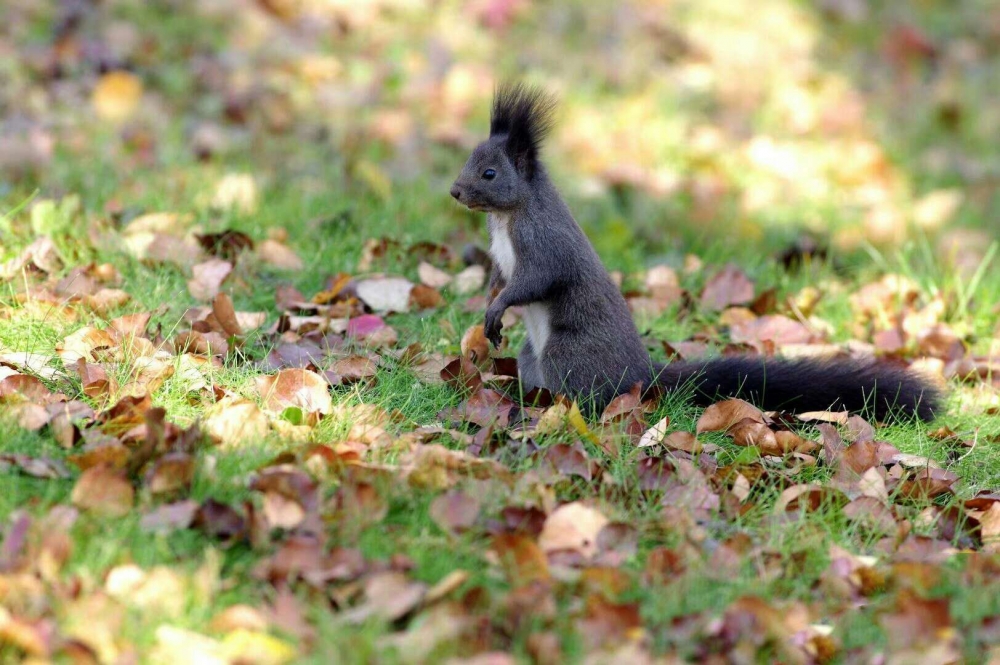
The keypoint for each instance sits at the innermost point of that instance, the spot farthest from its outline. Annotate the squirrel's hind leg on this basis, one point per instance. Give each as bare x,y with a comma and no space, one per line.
590,374
529,369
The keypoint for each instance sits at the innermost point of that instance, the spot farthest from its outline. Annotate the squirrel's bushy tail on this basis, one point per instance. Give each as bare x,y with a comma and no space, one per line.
859,386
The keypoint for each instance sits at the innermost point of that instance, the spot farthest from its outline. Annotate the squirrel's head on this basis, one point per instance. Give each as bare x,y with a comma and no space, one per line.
502,169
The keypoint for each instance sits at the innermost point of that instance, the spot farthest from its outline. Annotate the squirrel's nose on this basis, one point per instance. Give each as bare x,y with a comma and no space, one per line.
456,192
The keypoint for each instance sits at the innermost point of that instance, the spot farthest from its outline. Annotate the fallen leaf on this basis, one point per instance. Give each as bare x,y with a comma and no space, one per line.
278,255
225,314
573,527
295,388
208,278
454,511
171,473
385,294
723,415
523,561
170,517
389,596
655,434
236,192
103,491
729,286
354,368
234,420
469,280
424,297
82,344
433,277
116,95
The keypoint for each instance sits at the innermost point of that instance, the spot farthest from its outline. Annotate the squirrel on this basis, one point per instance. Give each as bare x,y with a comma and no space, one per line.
581,339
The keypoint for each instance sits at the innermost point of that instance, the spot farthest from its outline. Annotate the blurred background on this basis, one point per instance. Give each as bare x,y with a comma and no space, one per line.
861,121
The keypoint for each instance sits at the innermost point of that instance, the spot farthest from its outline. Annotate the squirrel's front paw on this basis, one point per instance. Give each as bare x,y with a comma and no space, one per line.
492,326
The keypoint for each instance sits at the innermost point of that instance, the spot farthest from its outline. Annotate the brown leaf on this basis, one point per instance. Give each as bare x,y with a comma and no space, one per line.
297,388
775,328
571,460
389,596
234,420
454,511
918,625
278,255
432,277
607,623
989,522
220,521
21,387
82,344
723,415
289,496
484,408
572,527
239,617
170,517
871,513
125,414
111,453
424,297
228,244
810,496
749,432
462,374
208,278
354,368
225,314
469,280
523,561
729,286
37,467
103,491
31,417
434,466
838,417
385,294
172,472
94,380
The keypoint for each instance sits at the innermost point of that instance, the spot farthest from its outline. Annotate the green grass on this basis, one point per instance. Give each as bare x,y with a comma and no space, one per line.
799,550
309,186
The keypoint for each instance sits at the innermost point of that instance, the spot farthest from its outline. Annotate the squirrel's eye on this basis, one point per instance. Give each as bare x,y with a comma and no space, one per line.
489,174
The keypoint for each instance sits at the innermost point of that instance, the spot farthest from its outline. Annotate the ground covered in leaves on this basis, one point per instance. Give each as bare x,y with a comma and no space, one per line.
250,415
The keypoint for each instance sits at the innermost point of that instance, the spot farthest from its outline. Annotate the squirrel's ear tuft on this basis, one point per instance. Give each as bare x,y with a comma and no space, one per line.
524,115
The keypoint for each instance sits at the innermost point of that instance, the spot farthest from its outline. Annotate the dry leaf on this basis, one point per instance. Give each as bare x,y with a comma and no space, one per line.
574,527
103,491
296,388
723,415
385,294
278,255
116,95
208,278
234,420
729,286
432,277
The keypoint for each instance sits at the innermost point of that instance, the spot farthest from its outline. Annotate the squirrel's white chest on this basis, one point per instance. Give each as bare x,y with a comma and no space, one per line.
535,315
501,247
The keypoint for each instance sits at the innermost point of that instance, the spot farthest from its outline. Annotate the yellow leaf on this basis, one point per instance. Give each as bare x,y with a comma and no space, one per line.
575,418
117,95
251,646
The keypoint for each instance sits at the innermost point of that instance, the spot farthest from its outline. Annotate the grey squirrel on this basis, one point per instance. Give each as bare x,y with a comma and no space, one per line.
581,339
